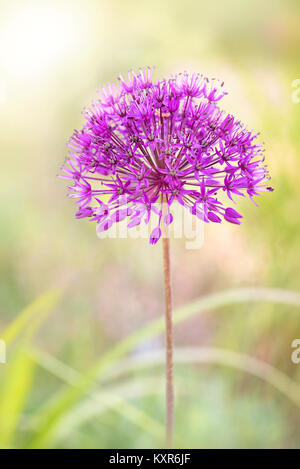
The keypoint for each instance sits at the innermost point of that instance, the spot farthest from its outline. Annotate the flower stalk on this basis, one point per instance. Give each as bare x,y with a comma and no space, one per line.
168,336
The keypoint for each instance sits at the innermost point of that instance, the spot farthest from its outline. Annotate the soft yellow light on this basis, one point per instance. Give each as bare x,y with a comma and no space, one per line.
35,38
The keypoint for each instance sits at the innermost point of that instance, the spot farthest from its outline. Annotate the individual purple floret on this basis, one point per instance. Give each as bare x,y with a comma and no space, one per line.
148,142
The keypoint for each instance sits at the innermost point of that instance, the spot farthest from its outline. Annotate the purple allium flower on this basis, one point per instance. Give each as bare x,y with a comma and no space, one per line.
147,142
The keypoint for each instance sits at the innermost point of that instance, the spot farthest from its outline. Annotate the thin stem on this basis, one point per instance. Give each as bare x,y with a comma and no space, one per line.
168,338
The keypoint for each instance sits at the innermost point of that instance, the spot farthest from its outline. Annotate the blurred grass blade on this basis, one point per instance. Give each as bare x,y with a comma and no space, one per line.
42,305
218,356
14,395
100,402
56,410
54,366
97,403
19,372
116,396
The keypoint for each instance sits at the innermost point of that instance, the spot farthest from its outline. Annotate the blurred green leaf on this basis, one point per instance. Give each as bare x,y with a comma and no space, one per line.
19,371
34,311
51,415
14,394
219,356
116,397
93,405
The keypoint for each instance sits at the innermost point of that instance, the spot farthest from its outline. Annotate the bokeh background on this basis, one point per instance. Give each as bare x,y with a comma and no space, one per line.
53,56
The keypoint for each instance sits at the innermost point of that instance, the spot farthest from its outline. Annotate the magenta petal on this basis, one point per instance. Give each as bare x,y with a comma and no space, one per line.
134,222
168,219
155,235
231,213
236,221
213,217
104,226
119,215
84,212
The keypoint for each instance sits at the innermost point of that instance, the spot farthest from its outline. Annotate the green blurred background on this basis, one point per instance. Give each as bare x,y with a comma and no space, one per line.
53,57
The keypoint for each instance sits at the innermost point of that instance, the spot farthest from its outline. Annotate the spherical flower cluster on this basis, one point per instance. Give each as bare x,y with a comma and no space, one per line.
147,143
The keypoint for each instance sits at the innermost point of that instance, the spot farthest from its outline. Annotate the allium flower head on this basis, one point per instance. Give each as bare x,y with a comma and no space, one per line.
145,143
